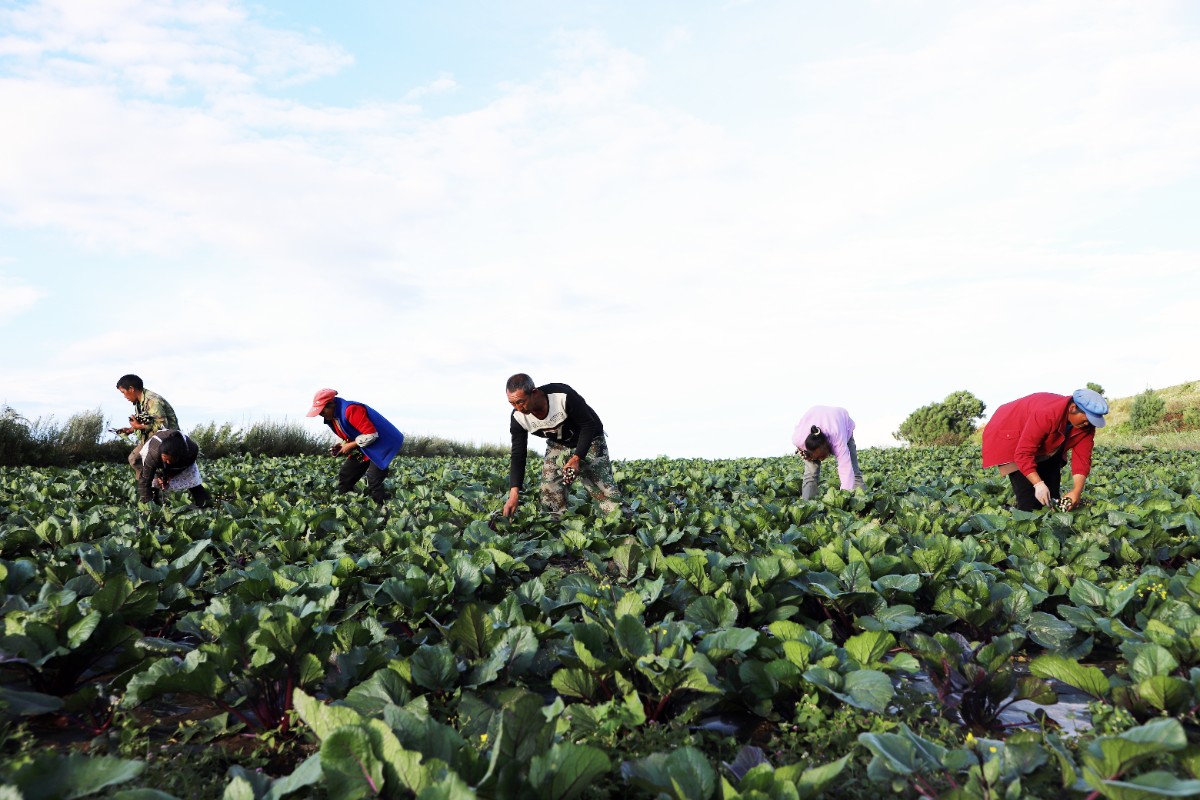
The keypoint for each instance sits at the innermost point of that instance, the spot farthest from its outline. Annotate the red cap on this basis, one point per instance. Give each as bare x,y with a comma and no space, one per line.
319,400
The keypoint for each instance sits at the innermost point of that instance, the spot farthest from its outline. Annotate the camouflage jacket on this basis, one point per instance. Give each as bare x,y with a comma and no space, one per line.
156,412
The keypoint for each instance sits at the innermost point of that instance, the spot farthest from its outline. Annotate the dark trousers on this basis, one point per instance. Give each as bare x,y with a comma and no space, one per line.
1051,472
353,469
200,496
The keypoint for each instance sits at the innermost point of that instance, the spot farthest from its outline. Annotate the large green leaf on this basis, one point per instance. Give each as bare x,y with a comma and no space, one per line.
350,765
324,719
472,632
1049,631
1151,660
55,777
711,613
814,781
867,689
510,656
433,667
579,683
28,703
1166,693
683,774
633,640
1110,756
1087,679
1151,784
566,770
724,643
869,647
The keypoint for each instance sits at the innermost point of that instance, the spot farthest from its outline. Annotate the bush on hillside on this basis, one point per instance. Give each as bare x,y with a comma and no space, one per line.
286,439
44,443
16,443
217,442
1148,408
950,422
1097,388
417,446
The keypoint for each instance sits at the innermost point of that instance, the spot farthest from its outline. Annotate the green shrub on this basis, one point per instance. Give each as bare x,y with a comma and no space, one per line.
80,439
1191,418
418,446
43,442
1147,410
217,442
17,445
46,443
1097,388
950,422
285,439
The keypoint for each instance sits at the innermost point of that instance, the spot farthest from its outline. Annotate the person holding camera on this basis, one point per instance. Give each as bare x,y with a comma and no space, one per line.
151,414
367,441
824,431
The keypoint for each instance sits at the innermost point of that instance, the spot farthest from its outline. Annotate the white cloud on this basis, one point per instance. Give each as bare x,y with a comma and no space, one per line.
896,224
16,298
441,85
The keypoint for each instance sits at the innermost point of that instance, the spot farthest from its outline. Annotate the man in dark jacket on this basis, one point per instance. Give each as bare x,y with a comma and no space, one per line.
560,415
368,441
169,464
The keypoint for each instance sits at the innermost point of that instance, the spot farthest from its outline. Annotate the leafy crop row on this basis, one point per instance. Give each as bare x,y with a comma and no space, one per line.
708,643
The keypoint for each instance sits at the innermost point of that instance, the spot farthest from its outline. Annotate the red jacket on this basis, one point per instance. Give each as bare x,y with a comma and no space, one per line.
1035,426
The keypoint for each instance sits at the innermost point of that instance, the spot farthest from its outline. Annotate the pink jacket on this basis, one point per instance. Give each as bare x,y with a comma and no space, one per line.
838,428
1034,426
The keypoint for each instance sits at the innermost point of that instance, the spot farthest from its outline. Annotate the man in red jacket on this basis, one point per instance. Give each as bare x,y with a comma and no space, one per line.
1028,439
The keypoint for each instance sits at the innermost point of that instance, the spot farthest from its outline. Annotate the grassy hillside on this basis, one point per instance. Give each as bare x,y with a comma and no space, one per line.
1171,432
1179,398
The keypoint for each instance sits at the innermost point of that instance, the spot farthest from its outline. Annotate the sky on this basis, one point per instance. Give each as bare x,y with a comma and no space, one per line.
706,216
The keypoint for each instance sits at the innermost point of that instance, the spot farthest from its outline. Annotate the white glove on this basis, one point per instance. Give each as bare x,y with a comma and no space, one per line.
1042,492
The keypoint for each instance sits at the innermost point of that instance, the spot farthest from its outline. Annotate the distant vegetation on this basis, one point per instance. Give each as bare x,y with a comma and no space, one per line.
1166,418
950,422
84,438
1147,411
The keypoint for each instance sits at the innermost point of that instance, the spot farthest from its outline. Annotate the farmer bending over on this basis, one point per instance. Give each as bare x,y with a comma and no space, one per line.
1028,440
824,431
560,415
169,465
368,441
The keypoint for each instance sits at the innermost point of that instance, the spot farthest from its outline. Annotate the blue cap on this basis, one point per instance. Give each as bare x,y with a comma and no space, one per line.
1091,403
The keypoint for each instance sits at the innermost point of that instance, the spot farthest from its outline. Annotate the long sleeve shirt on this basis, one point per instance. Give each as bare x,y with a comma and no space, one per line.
153,405
837,426
1031,429
570,422
356,415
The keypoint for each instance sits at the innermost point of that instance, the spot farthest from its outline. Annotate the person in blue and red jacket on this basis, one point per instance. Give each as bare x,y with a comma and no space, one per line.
1028,440
368,441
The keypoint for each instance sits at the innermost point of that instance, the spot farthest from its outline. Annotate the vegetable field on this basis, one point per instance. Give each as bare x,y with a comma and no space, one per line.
725,639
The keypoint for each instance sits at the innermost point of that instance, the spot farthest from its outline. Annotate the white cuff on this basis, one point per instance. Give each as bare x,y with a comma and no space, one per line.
365,439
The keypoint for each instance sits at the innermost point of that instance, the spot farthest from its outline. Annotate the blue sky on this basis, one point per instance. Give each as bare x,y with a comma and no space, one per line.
705,216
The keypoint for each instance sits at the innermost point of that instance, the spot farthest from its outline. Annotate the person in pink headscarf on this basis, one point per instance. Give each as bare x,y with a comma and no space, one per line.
368,441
